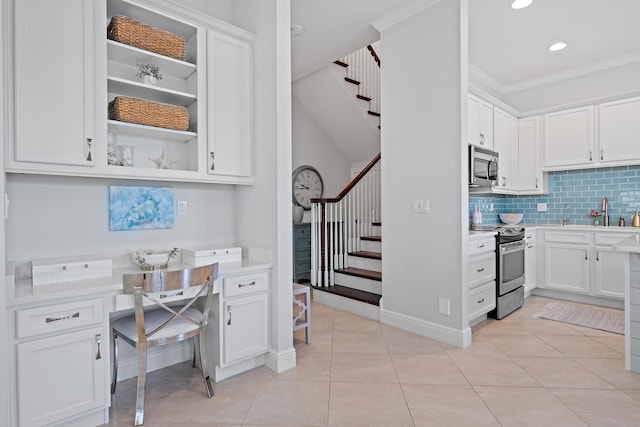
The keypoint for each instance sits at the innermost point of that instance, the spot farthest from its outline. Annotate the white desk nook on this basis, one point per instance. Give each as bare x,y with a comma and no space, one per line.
60,358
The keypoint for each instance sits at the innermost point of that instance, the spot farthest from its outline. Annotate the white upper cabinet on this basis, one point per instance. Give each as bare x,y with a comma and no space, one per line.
620,131
69,74
530,177
54,82
229,107
480,122
569,139
505,142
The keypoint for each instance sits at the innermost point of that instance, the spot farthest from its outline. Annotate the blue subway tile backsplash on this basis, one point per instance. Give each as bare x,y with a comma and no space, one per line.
581,190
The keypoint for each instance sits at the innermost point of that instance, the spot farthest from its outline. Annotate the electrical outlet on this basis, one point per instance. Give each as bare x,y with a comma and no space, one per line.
445,306
420,206
182,207
541,207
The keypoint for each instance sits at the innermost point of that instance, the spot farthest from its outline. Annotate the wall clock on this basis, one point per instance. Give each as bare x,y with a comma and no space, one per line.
307,185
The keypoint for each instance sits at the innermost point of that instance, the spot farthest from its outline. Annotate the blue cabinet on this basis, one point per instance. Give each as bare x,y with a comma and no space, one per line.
302,252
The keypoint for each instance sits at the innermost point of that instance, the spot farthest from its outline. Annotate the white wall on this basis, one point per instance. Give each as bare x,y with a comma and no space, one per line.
312,146
63,216
422,91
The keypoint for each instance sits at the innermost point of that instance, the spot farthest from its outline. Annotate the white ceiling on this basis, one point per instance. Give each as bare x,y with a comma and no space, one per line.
508,45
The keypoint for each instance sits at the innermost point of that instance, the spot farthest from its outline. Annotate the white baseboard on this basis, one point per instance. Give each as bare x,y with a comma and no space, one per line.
446,334
347,304
280,362
585,299
220,374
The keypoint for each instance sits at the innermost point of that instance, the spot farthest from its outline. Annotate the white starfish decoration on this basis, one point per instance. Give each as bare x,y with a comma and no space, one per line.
163,162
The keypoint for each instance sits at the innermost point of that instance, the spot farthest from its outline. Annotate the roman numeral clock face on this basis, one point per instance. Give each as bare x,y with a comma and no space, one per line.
307,185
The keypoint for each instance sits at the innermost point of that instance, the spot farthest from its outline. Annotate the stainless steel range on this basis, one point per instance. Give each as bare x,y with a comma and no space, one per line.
510,248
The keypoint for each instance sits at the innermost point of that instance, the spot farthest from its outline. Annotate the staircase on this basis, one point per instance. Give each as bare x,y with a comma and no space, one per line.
346,246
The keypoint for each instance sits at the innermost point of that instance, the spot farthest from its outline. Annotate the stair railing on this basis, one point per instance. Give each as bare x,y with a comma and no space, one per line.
338,223
364,67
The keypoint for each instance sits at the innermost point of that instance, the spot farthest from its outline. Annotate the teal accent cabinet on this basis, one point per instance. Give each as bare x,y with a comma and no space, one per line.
302,252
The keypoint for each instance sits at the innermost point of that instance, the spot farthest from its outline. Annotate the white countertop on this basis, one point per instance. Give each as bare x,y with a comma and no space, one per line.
630,244
22,291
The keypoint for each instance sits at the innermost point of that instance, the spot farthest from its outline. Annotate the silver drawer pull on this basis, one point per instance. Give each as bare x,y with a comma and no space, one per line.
244,285
530,246
481,301
55,319
77,267
481,246
480,270
229,311
98,339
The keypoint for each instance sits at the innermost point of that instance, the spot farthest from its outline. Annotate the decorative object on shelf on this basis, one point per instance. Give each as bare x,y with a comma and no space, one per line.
163,162
149,259
112,149
307,185
511,218
298,213
126,155
149,73
476,219
134,33
635,222
595,215
137,208
149,113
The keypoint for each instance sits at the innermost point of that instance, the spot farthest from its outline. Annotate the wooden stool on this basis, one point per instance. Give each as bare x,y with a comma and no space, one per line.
304,309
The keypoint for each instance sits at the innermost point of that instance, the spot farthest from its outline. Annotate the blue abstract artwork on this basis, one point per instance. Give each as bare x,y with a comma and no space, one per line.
137,208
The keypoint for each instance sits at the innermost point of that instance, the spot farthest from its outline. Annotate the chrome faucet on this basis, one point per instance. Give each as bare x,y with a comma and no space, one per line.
605,212
565,219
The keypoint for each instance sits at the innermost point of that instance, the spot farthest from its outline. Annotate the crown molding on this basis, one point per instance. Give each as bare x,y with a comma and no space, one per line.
402,13
482,77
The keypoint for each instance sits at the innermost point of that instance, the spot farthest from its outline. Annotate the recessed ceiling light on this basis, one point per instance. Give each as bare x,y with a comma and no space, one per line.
557,46
297,29
520,4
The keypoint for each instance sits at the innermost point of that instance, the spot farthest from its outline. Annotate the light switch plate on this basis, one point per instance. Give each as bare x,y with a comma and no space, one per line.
182,207
420,206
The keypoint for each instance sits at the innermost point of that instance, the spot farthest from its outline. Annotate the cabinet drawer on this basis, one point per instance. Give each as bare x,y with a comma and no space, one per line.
481,300
303,241
480,246
482,268
299,231
59,317
244,284
566,237
611,238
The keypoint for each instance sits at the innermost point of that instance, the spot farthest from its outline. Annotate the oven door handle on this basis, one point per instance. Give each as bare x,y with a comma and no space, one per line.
511,247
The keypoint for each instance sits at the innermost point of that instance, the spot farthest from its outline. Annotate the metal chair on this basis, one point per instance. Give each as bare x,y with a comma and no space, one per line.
164,324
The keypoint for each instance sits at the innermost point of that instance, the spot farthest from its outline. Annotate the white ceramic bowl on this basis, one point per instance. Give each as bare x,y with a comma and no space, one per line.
511,218
150,259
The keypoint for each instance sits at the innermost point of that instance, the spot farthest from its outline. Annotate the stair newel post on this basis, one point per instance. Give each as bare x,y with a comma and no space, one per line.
314,240
325,247
332,242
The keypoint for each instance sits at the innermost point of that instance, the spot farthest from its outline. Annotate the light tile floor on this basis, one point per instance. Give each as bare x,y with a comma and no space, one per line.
519,371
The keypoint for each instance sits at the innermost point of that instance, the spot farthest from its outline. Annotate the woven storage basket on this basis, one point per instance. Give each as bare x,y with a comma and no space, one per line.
134,33
148,113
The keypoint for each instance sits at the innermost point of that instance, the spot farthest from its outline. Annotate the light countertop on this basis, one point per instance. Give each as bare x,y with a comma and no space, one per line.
22,291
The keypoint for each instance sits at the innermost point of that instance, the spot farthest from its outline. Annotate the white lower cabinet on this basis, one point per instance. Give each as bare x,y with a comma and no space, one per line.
609,274
61,364
567,267
530,262
584,263
481,276
244,321
60,377
245,328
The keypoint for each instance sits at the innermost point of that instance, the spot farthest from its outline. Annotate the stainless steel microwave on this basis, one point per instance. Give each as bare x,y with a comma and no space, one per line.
483,168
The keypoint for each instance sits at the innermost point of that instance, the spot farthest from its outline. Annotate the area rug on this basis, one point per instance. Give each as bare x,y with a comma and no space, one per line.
589,317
